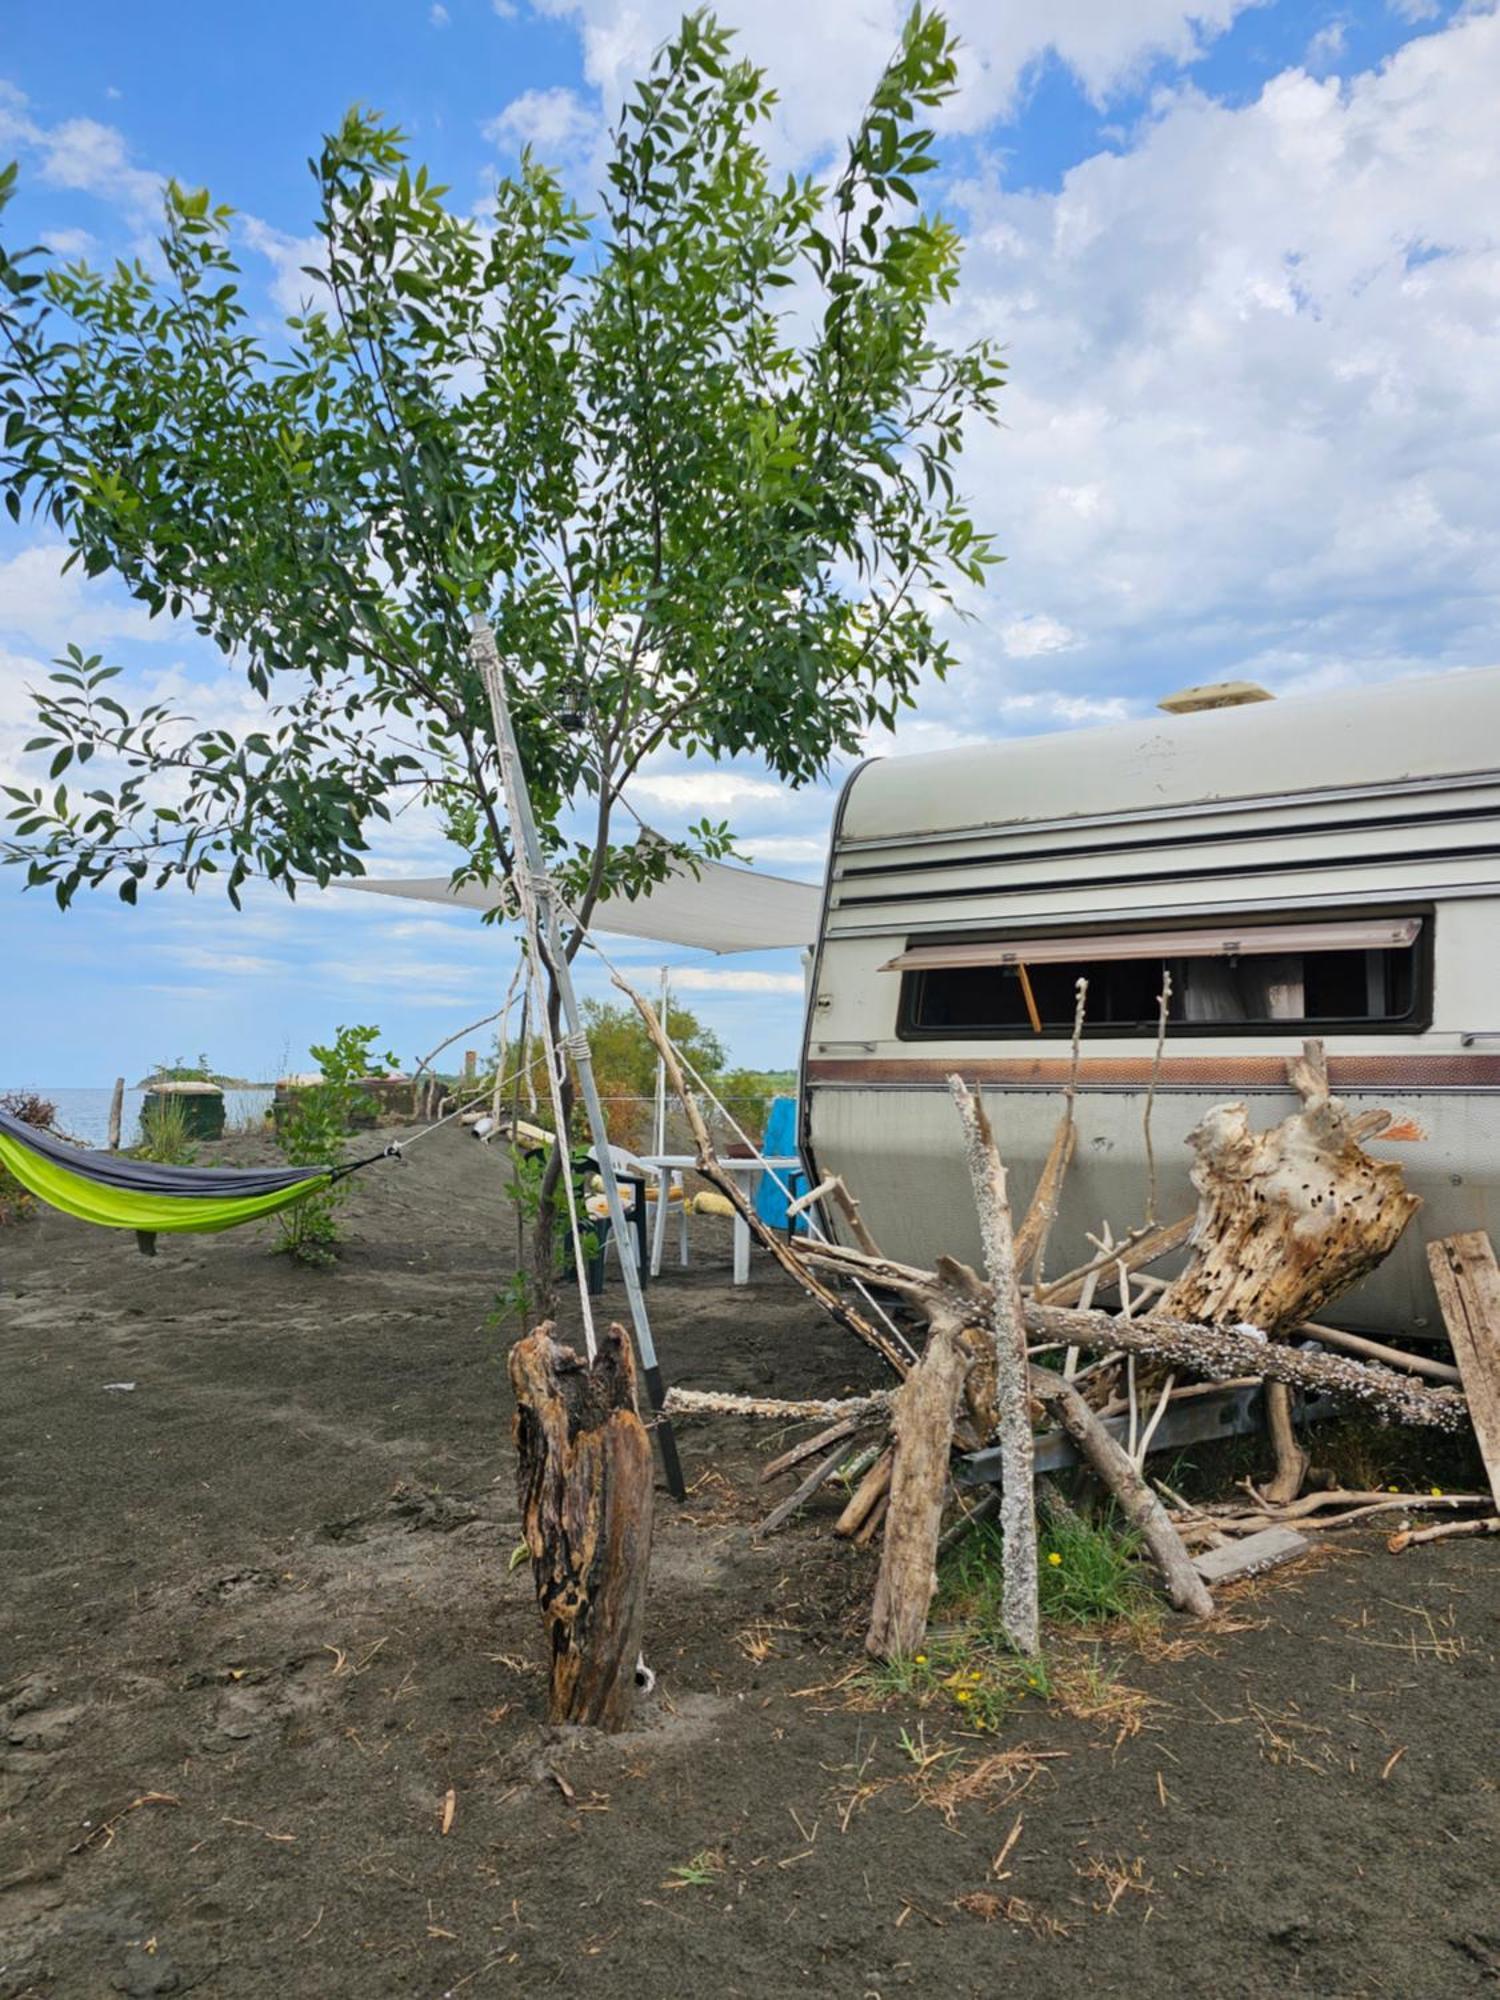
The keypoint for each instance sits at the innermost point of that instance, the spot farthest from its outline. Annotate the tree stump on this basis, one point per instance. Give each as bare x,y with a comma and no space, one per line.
584,1480
1290,1218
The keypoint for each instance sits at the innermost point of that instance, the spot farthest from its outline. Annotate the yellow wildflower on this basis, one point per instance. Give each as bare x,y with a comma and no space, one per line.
1055,1559
921,1659
964,1695
1437,1492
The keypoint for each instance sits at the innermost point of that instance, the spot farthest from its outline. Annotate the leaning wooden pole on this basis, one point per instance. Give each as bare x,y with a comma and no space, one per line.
1020,1614
1135,1499
583,1477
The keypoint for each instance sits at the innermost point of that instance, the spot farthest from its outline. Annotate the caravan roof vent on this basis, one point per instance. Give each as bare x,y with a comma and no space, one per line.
1213,694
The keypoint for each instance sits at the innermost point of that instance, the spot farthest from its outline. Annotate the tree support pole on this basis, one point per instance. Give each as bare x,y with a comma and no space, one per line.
513,777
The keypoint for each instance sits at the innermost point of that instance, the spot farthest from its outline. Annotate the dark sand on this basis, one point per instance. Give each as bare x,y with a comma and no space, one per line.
256,1620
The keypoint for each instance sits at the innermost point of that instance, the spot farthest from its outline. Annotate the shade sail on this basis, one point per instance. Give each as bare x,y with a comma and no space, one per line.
1254,940
718,909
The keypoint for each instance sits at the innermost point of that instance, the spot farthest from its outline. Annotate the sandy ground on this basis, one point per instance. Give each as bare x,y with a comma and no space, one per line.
257,1620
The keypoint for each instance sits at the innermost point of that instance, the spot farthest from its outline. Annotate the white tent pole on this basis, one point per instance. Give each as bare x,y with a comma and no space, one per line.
529,857
659,1123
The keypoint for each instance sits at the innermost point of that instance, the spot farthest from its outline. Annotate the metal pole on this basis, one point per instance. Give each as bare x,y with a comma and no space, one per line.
530,858
659,1123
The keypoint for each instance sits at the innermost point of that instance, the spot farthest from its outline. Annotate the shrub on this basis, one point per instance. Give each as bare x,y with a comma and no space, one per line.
311,1133
15,1200
166,1133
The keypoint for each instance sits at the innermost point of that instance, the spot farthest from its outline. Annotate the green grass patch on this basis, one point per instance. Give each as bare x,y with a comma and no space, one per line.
1089,1573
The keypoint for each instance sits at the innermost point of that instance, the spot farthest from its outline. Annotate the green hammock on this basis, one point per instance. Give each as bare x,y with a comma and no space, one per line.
119,1193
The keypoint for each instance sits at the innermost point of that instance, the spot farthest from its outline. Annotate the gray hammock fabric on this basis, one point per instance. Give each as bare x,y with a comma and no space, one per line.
151,1177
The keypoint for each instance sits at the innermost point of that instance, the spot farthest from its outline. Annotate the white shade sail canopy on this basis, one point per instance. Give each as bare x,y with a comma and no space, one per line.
718,909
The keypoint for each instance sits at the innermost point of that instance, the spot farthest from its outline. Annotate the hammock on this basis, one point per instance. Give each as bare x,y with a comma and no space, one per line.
119,1193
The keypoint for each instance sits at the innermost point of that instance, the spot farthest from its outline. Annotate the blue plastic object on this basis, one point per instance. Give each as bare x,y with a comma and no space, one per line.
780,1140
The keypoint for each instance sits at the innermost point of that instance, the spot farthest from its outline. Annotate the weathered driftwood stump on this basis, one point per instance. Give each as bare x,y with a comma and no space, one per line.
583,1476
1287,1219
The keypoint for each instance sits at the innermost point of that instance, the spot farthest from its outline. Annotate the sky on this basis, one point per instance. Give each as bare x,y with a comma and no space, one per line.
1245,263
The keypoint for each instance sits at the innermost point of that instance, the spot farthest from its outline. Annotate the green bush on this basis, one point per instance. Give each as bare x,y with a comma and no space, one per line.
166,1133
311,1133
17,1201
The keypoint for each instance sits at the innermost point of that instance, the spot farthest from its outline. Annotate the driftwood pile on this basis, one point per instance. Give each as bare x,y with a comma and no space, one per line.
1287,1220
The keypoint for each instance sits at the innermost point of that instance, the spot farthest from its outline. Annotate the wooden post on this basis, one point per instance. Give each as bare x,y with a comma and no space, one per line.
1468,1289
116,1115
583,1477
922,1412
1019,1611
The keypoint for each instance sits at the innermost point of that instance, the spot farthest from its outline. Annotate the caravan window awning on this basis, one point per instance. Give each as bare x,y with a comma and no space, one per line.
1255,940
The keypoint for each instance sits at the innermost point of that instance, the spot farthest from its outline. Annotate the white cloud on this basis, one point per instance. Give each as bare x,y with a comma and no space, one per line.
1024,638
95,159
711,979
723,789
72,243
1327,46
565,130
437,14
52,610
1254,412
290,258
230,964
824,59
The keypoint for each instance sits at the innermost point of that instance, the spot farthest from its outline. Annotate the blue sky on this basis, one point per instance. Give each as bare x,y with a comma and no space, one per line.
1246,263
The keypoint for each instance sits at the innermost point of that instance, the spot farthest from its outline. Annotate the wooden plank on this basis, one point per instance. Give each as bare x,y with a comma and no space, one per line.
1251,1555
1468,1289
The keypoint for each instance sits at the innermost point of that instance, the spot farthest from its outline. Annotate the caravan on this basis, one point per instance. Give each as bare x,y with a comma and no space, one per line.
1320,867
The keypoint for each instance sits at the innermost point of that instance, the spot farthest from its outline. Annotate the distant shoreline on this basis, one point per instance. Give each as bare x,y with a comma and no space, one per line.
220,1082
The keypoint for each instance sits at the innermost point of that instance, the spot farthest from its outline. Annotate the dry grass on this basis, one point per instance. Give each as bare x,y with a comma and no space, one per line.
990,1908
1118,1878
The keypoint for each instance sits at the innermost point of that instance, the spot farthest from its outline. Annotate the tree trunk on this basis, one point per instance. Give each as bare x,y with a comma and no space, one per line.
583,1478
1287,1219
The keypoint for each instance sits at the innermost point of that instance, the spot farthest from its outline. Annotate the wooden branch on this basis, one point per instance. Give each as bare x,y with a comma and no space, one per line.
1020,1615
870,1493
1219,1352
1291,1460
1216,1353
922,1422
1135,1499
728,1185
1409,1537
848,1207
1041,1212
1375,1350
722,1403
846,1427
794,1502
1135,1254
583,1477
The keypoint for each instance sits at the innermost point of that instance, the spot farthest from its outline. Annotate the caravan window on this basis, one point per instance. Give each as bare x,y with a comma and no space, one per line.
1267,978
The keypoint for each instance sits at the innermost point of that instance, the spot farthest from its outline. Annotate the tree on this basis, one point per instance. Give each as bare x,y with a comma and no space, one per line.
694,460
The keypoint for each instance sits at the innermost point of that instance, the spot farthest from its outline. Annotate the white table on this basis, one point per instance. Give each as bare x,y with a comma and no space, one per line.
665,1165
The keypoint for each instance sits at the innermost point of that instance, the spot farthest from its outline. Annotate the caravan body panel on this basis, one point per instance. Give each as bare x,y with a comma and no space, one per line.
1251,828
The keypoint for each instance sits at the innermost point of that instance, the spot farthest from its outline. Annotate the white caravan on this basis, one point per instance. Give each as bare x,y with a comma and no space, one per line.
1325,866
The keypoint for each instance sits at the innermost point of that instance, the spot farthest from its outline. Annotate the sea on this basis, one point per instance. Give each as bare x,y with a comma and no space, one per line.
84,1114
